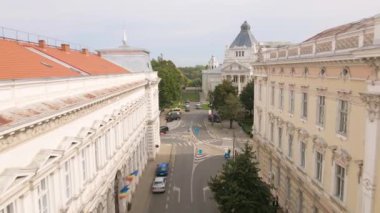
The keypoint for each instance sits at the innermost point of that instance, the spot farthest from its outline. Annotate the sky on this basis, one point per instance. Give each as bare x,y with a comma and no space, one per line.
188,32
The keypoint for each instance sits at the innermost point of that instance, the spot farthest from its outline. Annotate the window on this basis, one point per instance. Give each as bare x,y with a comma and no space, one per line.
235,79
236,53
300,202
304,105
302,154
260,122
322,72
97,153
290,145
272,97
260,91
281,98
271,132
83,162
288,188
315,209
279,137
278,176
306,72
291,101
43,196
340,172
318,166
321,111
242,53
68,182
10,208
342,113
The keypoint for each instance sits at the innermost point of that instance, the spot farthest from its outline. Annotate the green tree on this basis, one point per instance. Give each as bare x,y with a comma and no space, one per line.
238,187
172,81
232,109
221,92
246,97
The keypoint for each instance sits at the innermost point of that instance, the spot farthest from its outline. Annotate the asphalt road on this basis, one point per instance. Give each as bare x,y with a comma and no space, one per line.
186,189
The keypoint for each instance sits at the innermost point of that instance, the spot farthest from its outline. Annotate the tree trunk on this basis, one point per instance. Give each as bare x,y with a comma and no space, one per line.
231,121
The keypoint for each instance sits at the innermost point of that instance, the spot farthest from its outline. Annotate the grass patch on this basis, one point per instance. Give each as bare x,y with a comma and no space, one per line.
205,106
192,96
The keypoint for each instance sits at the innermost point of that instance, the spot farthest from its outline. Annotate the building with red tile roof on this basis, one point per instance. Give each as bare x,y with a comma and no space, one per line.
72,126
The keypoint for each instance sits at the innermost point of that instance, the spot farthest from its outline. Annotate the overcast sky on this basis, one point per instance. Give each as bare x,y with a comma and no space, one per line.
187,32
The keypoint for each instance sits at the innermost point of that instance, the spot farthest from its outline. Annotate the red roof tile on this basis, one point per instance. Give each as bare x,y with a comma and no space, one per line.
17,62
89,63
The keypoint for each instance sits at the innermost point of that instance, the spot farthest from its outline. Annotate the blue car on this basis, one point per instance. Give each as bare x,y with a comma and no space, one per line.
162,169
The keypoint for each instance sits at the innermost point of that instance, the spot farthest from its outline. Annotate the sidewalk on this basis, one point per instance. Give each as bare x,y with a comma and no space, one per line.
222,130
142,195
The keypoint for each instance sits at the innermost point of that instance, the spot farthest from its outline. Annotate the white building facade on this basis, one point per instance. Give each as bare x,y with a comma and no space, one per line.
71,144
236,66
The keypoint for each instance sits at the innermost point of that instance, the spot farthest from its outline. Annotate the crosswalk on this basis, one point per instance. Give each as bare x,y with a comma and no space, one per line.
183,144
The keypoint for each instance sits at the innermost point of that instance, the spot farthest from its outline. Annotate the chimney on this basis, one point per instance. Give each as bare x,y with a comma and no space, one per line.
65,47
85,51
376,39
42,44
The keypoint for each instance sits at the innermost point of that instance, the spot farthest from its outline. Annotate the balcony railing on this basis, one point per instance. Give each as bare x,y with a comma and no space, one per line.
324,46
17,35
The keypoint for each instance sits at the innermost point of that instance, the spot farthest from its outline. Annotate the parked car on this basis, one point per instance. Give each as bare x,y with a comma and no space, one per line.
159,184
214,118
187,108
162,169
198,105
164,129
173,116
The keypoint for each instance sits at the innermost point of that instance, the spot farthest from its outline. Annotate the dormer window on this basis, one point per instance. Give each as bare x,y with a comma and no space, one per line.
281,70
273,70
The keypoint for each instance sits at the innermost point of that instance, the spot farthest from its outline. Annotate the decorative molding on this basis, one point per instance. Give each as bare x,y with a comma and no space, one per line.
290,128
303,135
372,102
342,158
344,94
319,144
321,90
368,185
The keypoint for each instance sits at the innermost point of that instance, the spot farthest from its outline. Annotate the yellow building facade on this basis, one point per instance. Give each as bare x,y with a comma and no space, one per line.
317,120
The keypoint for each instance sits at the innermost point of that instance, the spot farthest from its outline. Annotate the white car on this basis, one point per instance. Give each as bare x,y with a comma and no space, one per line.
159,184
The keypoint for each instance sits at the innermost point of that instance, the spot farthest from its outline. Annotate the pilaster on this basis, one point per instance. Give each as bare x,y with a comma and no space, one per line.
371,150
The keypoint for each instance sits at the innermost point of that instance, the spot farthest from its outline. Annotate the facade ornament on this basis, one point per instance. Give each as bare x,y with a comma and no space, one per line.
321,90
319,144
368,185
280,122
302,134
372,102
290,127
342,158
344,94
272,117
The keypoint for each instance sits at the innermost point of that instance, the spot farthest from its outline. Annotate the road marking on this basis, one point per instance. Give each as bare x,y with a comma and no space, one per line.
167,198
179,193
166,206
204,192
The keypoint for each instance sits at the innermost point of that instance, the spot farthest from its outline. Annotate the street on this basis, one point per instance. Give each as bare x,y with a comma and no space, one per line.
196,155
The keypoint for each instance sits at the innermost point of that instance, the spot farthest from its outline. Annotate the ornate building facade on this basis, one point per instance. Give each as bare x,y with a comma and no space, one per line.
76,131
317,120
236,65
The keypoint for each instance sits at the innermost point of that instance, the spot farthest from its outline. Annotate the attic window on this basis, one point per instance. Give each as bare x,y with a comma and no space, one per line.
46,64
323,72
306,72
292,71
52,157
74,143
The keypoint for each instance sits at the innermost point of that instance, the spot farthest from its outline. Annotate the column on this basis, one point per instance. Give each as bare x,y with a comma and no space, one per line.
371,150
239,85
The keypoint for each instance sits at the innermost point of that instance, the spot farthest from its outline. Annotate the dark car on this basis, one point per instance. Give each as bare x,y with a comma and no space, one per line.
214,118
164,129
162,169
173,116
